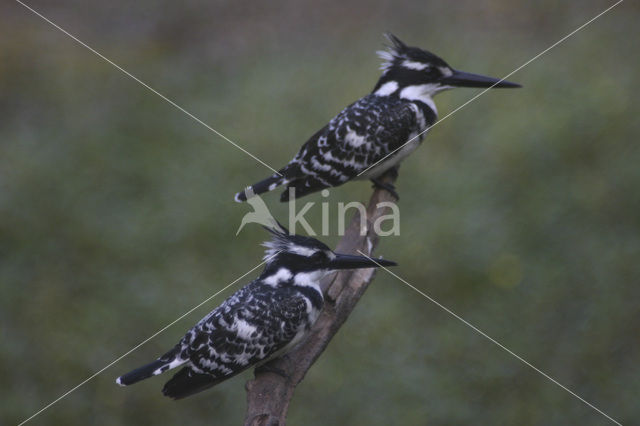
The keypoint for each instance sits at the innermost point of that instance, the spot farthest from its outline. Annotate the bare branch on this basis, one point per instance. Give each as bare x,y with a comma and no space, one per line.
269,394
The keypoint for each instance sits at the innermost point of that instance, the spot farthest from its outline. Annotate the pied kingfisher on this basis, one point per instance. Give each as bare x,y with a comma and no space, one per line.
261,321
372,135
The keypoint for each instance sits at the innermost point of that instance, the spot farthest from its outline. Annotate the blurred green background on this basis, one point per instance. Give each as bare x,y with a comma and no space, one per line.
521,212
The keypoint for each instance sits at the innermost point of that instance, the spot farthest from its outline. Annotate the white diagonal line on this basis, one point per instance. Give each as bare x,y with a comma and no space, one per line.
146,340
147,86
492,340
499,81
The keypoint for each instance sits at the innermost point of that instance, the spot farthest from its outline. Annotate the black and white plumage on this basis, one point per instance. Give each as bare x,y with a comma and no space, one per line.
264,319
375,133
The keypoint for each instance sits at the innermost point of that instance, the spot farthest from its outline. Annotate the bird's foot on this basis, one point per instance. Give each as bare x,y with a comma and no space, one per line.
377,183
268,368
393,171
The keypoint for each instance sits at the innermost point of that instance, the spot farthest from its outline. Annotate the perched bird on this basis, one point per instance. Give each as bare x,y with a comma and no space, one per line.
263,320
372,135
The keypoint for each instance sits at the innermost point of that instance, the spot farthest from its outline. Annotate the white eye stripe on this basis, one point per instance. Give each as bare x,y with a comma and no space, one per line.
413,65
301,250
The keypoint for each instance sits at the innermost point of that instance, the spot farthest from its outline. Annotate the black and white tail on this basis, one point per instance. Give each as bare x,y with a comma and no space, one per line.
159,366
269,184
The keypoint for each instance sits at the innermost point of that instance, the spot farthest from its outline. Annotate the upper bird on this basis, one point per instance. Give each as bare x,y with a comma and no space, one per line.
372,135
261,321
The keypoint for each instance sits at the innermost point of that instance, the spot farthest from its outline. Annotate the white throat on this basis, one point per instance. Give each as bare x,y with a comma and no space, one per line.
422,93
309,279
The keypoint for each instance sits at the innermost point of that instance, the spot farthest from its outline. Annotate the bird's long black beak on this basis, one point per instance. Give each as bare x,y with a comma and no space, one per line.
347,261
466,79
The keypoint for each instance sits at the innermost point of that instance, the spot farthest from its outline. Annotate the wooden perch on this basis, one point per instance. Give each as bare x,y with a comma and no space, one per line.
269,393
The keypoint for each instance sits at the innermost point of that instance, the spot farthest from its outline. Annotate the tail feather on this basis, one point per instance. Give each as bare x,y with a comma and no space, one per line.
141,373
166,362
268,184
186,382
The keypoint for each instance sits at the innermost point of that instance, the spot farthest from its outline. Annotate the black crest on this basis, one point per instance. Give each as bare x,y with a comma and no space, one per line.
282,241
398,52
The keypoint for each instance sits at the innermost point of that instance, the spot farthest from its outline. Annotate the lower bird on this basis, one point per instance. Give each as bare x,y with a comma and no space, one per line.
374,134
261,321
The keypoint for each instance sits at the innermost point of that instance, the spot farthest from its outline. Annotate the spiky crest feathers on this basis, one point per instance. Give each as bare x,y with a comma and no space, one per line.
398,52
283,241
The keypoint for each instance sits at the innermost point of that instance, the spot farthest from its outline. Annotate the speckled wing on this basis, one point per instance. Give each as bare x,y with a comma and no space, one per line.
249,328
362,134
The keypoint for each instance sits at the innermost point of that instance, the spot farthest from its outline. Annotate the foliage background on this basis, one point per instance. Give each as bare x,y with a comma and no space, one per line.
521,212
